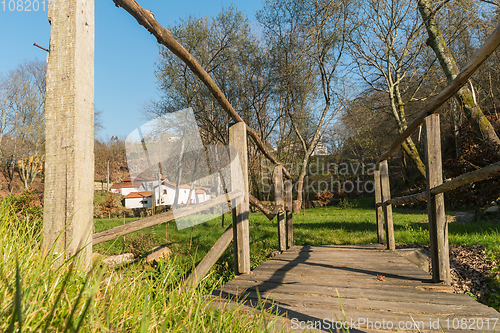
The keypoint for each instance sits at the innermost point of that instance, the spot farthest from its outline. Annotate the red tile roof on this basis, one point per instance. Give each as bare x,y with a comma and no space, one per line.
138,195
141,179
124,185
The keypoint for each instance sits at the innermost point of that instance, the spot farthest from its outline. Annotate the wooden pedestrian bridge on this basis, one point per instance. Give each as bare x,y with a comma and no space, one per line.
363,288
358,288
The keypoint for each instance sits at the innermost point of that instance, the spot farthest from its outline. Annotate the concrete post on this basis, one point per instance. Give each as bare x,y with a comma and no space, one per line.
69,121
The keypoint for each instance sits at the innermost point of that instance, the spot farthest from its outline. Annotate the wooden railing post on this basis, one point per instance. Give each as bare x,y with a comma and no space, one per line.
438,228
69,133
278,197
386,195
378,207
240,206
289,212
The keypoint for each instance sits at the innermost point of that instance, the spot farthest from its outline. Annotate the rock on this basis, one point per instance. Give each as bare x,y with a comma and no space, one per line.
493,208
120,259
159,252
417,256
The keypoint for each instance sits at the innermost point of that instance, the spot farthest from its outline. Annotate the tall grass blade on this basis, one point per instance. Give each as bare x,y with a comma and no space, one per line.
49,319
17,313
77,301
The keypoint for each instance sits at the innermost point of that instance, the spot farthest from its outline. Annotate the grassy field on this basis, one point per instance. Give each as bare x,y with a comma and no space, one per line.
37,295
316,226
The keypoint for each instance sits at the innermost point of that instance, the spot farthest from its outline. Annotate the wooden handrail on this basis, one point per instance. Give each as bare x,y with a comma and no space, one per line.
163,36
477,59
258,204
150,221
491,171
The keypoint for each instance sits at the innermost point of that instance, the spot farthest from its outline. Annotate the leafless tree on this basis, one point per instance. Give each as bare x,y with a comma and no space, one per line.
23,106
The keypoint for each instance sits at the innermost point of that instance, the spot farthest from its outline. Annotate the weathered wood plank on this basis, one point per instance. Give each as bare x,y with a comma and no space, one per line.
146,222
438,228
403,305
289,212
321,248
356,320
211,257
337,280
378,207
278,197
241,208
69,132
303,284
386,195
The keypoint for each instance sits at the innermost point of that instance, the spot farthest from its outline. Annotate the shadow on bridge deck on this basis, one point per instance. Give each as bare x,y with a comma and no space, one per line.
363,287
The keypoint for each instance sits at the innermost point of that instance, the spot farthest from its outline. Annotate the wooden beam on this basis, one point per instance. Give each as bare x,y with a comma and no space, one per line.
241,208
255,202
485,173
140,224
278,197
289,212
163,36
409,199
477,59
386,195
488,172
438,227
210,258
378,207
69,132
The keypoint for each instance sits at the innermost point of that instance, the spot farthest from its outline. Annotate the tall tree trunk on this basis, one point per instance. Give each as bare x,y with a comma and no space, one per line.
464,96
398,110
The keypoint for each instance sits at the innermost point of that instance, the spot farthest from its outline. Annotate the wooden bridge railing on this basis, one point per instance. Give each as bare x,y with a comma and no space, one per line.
238,231
240,207
435,188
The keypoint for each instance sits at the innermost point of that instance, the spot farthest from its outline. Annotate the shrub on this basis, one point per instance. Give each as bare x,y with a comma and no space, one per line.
325,196
27,207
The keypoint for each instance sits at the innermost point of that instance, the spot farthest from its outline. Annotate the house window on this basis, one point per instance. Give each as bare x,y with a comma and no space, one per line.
143,202
164,191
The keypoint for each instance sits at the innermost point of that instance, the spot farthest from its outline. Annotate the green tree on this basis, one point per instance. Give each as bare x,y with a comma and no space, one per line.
307,40
388,51
466,96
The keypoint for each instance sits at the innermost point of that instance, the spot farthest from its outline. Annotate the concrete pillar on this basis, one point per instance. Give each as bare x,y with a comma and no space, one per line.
69,121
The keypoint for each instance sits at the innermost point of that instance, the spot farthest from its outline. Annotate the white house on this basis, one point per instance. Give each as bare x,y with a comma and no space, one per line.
140,184
138,200
165,194
139,193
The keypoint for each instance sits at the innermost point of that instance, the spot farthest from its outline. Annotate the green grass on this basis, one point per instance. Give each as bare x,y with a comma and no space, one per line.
36,295
316,226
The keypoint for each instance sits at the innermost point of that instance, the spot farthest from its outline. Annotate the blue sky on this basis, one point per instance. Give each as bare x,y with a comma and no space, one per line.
125,52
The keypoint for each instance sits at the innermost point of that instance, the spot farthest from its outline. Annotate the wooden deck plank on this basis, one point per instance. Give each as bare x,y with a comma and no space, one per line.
304,284
401,306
